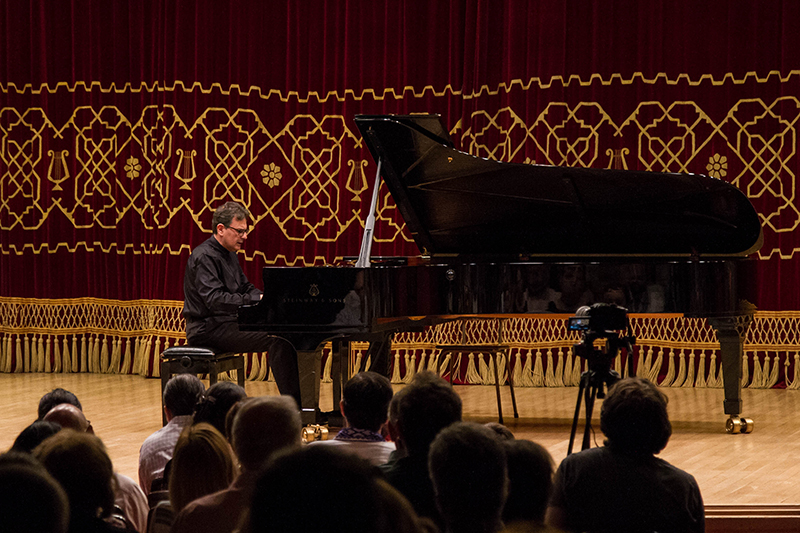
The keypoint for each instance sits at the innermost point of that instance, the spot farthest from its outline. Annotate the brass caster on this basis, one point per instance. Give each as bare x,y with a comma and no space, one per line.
737,424
314,432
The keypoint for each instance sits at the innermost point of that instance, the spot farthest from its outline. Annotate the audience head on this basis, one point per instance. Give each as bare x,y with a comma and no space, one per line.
216,402
33,435
500,430
467,465
393,425
69,417
55,397
365,400
231,416
427,405
634,418
530,480
264,426
31,501
343,485
182,393
201,464
80,463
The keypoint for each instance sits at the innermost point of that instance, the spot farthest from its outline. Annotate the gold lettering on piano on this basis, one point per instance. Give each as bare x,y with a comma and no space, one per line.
313,301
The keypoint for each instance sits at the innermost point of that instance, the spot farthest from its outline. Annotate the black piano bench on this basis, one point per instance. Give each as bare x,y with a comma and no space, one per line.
196,360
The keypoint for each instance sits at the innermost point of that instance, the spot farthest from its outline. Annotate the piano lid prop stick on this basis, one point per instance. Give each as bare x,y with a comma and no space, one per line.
369,226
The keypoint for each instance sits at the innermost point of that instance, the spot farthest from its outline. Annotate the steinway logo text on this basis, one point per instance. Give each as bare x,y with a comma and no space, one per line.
313,300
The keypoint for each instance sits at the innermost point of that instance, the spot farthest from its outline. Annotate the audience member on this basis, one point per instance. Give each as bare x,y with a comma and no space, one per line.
128,496
424,407
31,501
263,427
467,464
391,429
181,394
365,408
68,416
55,397
622,486
216,402
500,430
231,416
530,481
203,463
30,437
341,485
79,462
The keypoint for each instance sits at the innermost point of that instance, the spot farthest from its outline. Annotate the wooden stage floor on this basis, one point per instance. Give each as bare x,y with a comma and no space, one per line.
758,468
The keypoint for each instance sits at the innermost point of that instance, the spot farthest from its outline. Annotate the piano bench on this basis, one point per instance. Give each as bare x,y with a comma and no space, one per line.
197,360
453,349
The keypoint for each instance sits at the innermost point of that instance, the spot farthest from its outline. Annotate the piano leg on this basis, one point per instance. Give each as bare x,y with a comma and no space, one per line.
340,373
309,364
730,332
309,368
380,352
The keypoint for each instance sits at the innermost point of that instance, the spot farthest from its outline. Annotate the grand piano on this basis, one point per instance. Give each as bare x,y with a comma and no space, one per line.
498,238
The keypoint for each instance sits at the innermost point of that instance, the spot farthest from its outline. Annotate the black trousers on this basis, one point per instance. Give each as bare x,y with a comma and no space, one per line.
226,337
381,352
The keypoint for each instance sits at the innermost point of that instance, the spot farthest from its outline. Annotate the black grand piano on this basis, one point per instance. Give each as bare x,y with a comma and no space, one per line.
497,237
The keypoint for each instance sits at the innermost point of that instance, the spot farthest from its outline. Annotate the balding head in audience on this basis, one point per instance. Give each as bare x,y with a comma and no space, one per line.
69,417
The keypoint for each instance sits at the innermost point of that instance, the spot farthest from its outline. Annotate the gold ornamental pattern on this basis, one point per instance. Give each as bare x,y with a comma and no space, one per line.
307,178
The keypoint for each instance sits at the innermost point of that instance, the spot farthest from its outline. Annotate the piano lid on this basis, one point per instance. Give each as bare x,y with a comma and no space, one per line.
458,204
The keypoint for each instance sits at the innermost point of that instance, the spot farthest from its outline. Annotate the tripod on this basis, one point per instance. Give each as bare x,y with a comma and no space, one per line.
598,376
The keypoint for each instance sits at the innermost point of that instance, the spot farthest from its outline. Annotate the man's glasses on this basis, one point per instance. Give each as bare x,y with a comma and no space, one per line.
241,232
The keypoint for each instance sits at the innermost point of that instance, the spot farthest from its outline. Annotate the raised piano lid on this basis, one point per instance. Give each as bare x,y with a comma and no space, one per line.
458,204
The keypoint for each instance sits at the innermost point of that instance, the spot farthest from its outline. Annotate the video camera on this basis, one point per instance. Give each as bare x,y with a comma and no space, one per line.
600,318
602,321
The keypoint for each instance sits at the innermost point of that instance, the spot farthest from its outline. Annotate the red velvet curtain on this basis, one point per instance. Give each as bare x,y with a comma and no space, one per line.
124,124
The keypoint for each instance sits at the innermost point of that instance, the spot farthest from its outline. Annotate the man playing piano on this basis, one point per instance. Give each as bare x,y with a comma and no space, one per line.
214,287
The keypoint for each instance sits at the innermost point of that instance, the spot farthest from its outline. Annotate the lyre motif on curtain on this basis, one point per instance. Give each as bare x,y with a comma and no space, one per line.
185,170
57,171
617,161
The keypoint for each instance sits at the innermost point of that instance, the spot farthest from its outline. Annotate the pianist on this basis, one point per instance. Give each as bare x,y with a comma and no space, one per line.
214,287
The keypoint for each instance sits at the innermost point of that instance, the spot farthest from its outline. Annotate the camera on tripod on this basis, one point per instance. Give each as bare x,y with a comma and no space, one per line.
599,317
600,321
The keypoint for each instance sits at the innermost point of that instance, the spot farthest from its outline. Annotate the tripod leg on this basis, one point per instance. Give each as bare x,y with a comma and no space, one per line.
591,394
629,362
581,387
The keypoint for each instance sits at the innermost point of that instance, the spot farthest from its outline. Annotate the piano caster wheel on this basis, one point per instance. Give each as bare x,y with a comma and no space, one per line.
737,424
